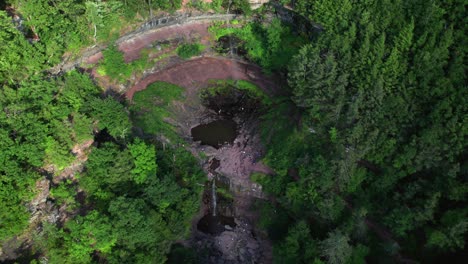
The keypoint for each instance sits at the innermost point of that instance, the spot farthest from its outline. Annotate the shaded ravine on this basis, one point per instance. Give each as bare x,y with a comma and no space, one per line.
226,225
227,228
231,235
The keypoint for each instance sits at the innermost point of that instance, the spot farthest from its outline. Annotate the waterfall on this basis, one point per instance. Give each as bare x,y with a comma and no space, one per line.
213,195
229,6
230,52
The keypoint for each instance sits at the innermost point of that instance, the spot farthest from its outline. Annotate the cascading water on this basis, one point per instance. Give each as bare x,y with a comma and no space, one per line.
231,50
228,7
213,195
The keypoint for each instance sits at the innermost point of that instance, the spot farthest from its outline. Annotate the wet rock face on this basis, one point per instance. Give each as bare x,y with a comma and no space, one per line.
213,165
215,225
232,245
230,102
226,236
229,245
225,229
238,246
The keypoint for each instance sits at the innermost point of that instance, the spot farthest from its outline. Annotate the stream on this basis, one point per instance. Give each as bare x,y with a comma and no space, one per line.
225,226
225,133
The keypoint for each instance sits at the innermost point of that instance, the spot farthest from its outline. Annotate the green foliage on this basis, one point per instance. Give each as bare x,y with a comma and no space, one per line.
224,193
297,247
333,134
146,218
201,5
186,51
114,65
78,240
94,232
57,154
449,237
94,14
274,220
36,132
54,27
50,35
64,194
82,127
225,87
252,90
13,66
216,5
336,248
103,17
370,133
359,254
15,190
272,46
157,212
145,161
234,6
111,115
152,105
44,116
238,6
108,170
166,5
381,129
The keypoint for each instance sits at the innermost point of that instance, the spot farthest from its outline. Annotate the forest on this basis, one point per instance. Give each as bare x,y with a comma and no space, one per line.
360,110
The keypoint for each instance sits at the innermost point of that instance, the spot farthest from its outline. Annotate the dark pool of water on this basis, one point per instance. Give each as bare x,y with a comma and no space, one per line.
215,225
216,133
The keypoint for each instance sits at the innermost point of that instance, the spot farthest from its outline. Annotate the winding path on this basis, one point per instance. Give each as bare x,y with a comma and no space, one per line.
198,71
153,29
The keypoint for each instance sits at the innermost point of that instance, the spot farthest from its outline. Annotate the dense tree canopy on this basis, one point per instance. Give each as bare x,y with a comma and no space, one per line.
368,141
37,124
382,93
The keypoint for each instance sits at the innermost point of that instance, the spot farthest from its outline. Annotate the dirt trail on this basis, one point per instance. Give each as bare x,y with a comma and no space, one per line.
132,47
180,22
201,70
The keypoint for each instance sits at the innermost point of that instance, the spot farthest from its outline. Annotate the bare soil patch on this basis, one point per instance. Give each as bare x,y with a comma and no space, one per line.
195,31
195,73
